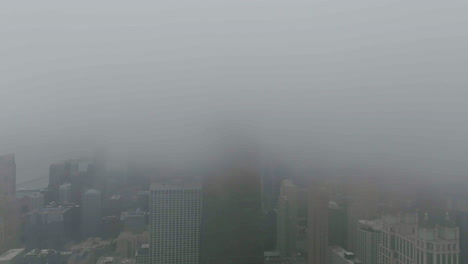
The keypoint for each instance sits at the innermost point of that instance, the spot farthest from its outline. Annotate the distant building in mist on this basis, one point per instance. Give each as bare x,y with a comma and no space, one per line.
337,224
317,226
175,219
91,213
64,192
51,227
8,210
134,221
287,225
232,213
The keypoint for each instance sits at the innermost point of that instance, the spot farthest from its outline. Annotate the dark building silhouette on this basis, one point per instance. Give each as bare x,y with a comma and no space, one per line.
337,224
317,226
91,213
8,210
231,219
51,227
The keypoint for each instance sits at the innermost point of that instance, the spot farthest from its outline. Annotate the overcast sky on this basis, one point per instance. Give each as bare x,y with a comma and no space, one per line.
362,82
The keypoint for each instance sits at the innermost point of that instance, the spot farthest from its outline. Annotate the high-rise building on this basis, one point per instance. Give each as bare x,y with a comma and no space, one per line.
340,256
337,224
8,212
232,212
50,227
406,240
64,192
459,208
287,226
317,226
91,213
368,241
133,221
175,219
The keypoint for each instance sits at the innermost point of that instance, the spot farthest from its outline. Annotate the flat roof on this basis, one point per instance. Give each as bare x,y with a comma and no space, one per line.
182,186
11,254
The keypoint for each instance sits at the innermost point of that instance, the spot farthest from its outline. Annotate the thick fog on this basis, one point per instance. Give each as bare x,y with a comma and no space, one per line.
336,84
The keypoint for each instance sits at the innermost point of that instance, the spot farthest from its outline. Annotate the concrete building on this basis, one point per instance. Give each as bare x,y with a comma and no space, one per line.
8,210
317,226
407,240
368,241
337,225
64,193
340,256
175,219
232,211
50,227
133,221
142,254
287,226
91,213
12,256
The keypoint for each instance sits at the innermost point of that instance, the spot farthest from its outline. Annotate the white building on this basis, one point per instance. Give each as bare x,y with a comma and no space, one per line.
406,241
368,238
174,229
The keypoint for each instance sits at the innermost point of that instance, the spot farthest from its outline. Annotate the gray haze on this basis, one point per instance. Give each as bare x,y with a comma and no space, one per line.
360,83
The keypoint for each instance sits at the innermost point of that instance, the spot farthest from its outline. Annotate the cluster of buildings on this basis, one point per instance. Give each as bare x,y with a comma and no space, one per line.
237,213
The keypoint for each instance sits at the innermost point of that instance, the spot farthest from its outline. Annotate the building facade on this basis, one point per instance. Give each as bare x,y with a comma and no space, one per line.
368,241
8,212
232,212
91,213
175,219
405,240
317,226
287,219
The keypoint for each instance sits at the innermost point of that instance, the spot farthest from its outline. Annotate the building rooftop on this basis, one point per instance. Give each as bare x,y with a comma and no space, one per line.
372,224
179,186
11,254
346,255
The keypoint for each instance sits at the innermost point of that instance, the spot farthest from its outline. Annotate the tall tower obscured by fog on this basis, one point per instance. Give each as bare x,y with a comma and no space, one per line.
231,220
317,226
175,218
8,226
91,213
287,219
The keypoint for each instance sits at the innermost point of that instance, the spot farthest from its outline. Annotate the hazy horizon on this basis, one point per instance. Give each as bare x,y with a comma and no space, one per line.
360,84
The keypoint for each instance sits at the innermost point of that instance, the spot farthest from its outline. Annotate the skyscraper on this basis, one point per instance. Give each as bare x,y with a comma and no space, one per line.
287,219
337,224
368,241
231,224
317,226
8,212
405,239
175,219
91,213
